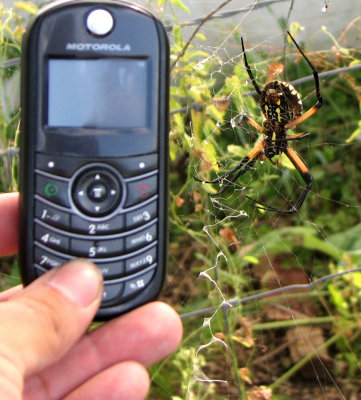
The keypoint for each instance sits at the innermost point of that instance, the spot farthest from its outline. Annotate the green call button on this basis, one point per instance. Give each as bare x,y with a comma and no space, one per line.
53,190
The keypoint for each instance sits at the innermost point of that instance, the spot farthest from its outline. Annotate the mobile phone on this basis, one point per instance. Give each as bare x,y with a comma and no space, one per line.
94,147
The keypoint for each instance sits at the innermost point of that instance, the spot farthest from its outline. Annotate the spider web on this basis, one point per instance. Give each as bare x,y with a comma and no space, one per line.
255,338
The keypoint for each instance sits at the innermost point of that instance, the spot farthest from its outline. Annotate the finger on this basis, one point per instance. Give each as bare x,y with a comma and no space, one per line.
41,323
9,204
145,335
7,294
125,381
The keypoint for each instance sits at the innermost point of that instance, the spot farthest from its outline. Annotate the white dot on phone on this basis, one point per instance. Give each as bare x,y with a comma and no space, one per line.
51,164
100,22
141,165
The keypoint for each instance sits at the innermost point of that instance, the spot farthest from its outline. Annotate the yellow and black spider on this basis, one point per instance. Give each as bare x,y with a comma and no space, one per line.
281,107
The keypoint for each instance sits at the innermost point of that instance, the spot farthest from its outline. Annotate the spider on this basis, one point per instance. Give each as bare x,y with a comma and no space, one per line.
281,107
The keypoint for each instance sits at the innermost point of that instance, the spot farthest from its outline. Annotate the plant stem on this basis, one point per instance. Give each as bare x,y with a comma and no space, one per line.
292,323
304,361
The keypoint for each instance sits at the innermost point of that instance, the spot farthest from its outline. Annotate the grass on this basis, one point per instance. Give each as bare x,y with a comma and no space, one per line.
224,248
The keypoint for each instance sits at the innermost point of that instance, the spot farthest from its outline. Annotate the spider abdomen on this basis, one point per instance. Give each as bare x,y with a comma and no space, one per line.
280,103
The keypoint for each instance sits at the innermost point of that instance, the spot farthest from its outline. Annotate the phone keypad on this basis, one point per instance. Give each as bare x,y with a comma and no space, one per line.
106,213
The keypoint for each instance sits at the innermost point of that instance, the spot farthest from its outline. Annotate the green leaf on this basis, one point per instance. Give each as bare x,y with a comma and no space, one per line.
354,62
349,240
181,5
213,111
251,259
237,150
27,6
355,133
295,29
287,163
312,242
210,154
356,279
337,298
173,151
177,35
197,124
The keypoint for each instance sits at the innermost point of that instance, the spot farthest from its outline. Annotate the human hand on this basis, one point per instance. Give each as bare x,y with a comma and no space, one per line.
44,352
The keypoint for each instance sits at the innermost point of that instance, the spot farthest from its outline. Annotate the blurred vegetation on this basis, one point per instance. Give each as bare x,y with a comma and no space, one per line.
221,247
245,250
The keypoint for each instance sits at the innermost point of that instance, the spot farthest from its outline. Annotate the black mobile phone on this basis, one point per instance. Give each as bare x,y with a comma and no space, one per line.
94,147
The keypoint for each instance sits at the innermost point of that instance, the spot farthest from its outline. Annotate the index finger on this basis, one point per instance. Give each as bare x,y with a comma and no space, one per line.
145,335
9,205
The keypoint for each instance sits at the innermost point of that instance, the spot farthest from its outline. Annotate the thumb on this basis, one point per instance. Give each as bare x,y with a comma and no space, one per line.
43,321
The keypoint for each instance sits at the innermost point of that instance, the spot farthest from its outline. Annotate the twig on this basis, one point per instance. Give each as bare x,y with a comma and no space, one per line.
279,291
227,14
202,22
343,34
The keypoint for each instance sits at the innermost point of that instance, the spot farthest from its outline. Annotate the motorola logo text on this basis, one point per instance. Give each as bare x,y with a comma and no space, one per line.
113,47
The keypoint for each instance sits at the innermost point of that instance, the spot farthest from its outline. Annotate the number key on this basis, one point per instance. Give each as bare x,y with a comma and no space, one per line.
51,239
52,216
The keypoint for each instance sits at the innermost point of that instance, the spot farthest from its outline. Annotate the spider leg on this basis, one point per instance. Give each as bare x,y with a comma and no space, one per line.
249,71
303,171
319,103
245,118
312,111
297,136
314,71
306,176
247,163
243,166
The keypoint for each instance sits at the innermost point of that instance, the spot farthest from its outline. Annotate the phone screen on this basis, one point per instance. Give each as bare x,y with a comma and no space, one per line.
98,93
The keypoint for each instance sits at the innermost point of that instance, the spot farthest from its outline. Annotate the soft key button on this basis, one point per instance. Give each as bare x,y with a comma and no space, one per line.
131,166
141,189
55,164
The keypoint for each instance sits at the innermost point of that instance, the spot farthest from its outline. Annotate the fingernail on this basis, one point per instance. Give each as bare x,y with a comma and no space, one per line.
78,280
